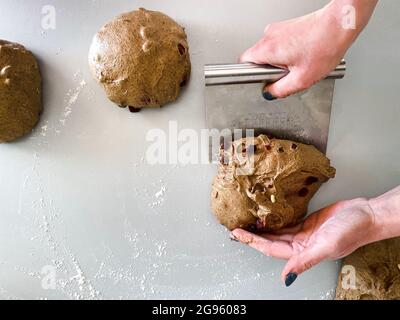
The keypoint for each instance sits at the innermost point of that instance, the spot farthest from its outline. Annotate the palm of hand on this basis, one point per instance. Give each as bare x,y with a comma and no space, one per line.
338,228
330,233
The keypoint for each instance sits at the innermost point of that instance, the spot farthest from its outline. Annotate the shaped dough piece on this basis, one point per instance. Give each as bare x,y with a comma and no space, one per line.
377,272
141,59
266,184
20,91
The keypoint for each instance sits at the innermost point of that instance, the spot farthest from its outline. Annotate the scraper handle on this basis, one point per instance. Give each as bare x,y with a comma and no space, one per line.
220,74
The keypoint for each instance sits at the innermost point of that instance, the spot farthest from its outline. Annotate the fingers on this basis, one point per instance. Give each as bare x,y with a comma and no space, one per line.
277,249
268,51
248,56
302,262
263,52
277,237
290,230
279,246
295,81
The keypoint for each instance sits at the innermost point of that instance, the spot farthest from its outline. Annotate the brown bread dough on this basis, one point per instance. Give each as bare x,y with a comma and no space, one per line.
377,270
141,59
20,91
276,191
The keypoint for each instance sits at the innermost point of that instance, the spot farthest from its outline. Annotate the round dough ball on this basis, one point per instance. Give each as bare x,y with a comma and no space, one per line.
266,184
20,91
141,59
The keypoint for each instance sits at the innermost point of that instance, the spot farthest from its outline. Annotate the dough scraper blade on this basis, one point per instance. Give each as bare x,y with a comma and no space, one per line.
234,101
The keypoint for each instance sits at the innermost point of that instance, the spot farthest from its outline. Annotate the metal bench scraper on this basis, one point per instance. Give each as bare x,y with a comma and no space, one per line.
233,97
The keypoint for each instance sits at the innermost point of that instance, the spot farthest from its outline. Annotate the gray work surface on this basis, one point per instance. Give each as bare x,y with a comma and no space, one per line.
79,202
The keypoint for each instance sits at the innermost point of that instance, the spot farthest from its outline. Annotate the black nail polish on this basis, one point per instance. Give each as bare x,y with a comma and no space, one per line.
290,278
268,96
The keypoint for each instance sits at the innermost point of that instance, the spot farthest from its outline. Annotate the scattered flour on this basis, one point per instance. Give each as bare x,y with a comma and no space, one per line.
44,128
158,198
70,99
55,126
85,287
141,161
161,248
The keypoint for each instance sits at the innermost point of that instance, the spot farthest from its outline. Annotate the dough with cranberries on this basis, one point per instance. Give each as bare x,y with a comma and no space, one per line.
141,59
376,270
20,91
266,184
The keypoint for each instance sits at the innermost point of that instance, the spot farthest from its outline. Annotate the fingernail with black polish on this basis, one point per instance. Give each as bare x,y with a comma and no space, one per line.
233,238
268,96
290,278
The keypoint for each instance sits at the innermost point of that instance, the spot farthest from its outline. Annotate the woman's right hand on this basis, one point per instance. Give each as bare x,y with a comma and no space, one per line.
310,47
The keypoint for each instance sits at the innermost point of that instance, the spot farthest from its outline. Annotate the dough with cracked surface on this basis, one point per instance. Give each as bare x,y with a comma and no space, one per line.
377,271
20,91
141,58
266,183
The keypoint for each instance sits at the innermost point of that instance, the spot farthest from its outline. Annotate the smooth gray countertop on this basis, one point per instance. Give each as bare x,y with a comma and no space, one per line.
79,202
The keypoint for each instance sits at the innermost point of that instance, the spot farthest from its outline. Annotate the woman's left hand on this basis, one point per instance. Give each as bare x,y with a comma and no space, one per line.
330,233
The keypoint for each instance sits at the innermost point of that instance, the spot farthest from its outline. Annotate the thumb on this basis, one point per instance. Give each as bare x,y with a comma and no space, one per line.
295,81
263,52
300,263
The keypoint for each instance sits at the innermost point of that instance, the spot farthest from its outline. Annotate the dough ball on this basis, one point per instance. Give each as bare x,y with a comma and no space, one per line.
141,59
20,91
377,272
266,184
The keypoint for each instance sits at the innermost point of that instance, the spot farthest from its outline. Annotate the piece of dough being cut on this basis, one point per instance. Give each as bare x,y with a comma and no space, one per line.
20,91
371,273
141,59
267,183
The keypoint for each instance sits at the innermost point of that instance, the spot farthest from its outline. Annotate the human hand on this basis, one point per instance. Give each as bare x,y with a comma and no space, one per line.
328,234
310,47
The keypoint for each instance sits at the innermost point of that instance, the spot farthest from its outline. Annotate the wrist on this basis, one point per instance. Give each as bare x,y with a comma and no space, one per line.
350,17
386,210
341,18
